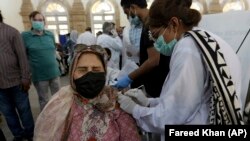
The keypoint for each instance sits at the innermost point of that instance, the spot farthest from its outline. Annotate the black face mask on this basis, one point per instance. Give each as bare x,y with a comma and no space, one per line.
90,84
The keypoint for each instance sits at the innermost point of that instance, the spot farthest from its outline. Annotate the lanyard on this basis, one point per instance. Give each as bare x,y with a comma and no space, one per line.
243,41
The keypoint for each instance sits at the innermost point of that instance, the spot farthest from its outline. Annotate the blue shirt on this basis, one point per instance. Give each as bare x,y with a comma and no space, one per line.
135,35
41,52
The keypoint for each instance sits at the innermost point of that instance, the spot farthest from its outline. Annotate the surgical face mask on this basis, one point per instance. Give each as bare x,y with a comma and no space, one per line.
38,25
134,21
90,84
163,47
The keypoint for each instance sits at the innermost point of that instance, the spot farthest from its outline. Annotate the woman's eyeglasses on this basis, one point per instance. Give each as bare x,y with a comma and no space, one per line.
154,35
94,48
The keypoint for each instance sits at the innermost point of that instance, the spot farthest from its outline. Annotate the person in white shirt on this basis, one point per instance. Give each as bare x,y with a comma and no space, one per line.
87,38
111,73
191,82
111,40
131,37
131,42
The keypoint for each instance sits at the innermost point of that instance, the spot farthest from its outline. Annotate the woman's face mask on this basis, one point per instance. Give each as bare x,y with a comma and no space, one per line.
89,75
90,84
163,47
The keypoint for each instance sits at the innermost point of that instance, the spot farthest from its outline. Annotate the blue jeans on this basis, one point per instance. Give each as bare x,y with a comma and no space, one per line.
14,103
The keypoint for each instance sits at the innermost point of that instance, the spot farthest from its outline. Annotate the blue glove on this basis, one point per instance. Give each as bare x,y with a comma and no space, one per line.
126,103
123,82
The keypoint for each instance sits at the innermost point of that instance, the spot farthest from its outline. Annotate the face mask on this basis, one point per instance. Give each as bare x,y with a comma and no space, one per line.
90,84
135,20
163,47
37,25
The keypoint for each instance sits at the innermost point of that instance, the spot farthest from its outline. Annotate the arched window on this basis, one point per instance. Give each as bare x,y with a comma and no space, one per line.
149,2
234,5
101,12
195,5
56,18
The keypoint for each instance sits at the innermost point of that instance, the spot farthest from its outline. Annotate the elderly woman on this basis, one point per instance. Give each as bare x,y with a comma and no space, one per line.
86,110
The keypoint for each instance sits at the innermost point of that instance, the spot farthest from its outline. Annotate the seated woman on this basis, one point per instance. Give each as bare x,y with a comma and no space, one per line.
86,110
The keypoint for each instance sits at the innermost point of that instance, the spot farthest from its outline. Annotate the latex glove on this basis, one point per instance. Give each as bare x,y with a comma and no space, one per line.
123,82
126,103
139,96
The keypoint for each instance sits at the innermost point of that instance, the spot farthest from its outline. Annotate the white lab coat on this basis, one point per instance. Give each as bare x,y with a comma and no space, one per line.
125,42
185,94
111,76
129,48
115,45
86,38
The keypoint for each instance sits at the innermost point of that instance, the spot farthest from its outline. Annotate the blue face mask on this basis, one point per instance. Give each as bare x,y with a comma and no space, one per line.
37,25
134,21
163,47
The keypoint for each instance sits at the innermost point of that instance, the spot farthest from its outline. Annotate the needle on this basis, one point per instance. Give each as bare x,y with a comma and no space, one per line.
140,86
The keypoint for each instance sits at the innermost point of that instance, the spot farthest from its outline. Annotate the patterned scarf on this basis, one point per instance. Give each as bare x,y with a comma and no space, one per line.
93,115
224,105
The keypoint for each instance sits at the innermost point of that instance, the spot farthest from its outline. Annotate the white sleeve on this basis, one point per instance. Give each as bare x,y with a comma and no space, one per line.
78,41
181,94
126,43
110,42
117,44
111,75
124,55
153,101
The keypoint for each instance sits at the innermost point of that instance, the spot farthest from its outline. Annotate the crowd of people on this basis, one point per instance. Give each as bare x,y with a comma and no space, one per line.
189,76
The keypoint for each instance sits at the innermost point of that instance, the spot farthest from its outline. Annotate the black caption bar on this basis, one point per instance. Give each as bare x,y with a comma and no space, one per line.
221,132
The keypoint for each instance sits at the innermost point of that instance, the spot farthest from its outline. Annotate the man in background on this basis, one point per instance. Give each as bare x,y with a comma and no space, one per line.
15,83
87,37
41,52
110,39
153,65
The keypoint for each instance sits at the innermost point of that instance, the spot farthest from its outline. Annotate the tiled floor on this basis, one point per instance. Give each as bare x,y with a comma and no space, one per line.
35,110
